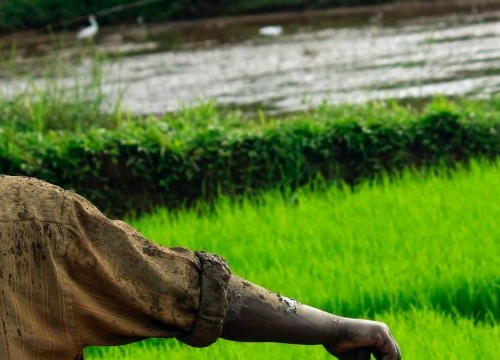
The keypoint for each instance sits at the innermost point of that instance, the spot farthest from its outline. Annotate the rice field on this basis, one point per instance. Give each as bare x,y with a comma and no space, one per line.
420,253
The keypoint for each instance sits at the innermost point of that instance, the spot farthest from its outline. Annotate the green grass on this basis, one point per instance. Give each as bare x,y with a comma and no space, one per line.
58,95
420,253
421,334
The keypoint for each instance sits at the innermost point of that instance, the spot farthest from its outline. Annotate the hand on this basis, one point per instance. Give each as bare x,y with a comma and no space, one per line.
357,339
356,354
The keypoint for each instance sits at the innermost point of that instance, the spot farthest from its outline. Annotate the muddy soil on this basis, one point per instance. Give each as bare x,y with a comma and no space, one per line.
338,55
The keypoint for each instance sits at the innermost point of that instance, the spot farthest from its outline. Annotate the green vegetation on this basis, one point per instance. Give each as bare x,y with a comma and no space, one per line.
200,153
422,334
57,96
333,188
293,201
418,252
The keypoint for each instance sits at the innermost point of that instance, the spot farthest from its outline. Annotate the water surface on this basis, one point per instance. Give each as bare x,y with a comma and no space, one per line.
328,60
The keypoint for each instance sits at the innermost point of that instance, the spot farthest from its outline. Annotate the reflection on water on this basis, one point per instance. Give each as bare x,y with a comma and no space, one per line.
451,55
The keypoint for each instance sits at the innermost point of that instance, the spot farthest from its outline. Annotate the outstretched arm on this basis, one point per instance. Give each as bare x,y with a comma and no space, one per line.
259,315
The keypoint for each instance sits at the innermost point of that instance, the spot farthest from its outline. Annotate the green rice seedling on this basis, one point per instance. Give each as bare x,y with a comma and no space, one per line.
63,96
422,334
417,252
432,232
427,334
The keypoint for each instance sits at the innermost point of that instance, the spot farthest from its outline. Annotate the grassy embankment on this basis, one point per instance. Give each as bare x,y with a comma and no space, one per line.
420,253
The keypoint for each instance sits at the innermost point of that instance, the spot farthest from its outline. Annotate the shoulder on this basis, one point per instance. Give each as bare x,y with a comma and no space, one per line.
25,198
9,182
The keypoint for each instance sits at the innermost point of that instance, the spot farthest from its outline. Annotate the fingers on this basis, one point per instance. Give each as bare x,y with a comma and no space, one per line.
357,339
398,350
386,347
356,354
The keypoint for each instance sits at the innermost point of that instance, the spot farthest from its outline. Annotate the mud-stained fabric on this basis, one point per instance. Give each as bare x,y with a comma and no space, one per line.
70,278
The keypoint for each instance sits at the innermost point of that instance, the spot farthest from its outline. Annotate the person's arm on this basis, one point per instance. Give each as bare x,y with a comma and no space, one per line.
259,315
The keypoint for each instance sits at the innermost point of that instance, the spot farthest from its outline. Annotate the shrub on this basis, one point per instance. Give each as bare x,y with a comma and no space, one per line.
201,153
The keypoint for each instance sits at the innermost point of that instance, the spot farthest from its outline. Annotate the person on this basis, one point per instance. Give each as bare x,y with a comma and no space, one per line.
72,278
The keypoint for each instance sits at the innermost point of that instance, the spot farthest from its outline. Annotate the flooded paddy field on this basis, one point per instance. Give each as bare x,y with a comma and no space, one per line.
352,56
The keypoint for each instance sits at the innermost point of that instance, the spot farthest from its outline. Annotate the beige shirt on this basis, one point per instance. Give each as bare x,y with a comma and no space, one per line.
70,278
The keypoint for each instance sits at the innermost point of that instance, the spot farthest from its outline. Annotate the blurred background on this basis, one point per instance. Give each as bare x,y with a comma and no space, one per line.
280,56
296,138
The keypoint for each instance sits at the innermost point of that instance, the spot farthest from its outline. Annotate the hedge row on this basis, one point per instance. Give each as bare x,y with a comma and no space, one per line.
159,161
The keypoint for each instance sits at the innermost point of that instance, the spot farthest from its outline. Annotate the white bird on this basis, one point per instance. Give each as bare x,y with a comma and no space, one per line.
90,31
272,30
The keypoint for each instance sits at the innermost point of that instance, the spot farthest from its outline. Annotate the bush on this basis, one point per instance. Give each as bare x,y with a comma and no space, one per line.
201,153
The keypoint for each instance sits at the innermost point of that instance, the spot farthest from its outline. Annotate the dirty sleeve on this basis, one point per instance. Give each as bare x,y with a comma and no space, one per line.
126,288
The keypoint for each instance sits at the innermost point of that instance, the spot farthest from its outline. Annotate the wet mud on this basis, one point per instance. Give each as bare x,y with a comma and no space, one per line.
350,55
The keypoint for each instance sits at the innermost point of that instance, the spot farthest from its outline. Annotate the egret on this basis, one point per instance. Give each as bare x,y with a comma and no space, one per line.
90,31
272,30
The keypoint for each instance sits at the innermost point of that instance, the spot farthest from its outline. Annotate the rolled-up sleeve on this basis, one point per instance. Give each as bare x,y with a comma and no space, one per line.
125,288
213,301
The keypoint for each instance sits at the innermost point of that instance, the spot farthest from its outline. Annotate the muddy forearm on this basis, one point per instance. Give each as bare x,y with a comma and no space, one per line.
257,314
